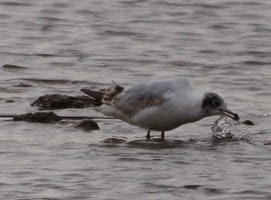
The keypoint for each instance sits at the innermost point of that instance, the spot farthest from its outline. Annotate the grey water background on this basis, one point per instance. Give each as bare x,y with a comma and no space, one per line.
222,46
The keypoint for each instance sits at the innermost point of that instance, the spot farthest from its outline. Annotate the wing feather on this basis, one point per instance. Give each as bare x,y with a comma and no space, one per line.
144,95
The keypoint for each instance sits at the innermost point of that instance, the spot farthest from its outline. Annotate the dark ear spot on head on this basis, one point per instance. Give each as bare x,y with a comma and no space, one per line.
211,100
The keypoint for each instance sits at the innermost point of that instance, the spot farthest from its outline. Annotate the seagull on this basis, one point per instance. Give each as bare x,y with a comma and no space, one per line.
160,105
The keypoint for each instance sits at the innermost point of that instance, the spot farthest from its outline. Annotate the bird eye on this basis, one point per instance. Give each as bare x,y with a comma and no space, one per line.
216,103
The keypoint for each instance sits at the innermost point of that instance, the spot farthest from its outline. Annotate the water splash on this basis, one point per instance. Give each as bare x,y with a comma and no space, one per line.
222,129
226,129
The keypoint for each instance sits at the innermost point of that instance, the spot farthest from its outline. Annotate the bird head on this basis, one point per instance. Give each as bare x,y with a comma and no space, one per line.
213,104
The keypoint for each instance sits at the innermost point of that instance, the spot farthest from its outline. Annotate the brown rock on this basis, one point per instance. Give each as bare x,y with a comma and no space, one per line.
39,117
87,125
57,101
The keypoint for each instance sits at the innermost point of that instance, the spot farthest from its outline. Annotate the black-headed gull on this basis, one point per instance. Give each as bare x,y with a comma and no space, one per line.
160,105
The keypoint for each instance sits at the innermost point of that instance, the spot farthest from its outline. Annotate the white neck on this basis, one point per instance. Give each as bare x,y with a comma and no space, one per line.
194,108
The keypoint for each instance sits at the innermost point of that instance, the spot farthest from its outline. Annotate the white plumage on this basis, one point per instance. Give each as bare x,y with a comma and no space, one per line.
160,105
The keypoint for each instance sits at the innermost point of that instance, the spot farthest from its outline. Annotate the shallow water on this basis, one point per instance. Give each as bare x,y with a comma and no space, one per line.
222,46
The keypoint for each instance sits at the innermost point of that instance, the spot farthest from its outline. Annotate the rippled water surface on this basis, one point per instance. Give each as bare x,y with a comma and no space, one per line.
63,46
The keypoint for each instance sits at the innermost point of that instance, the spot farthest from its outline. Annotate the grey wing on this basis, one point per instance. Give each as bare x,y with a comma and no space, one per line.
144,95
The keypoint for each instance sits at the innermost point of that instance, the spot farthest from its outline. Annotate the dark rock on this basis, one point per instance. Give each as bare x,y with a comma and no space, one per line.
40,117
78,104
248,122
87,125
192,187
45,55
10,101
8,66
114,141
57,101
22,85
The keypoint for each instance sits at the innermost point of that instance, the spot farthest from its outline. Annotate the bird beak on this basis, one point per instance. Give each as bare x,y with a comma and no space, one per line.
230,114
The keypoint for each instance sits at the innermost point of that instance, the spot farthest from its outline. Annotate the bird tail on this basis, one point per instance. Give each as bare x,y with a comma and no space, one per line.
104,96
97,96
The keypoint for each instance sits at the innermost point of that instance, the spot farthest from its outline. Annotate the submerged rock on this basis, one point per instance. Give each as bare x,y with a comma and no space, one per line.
51,117
57,101
40,117
249,123
114,141
87,125
9,66
22,85
267,143
10,101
